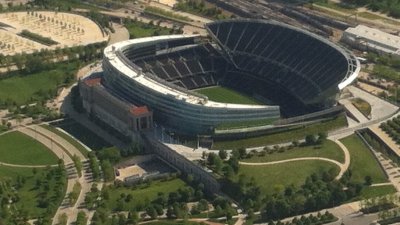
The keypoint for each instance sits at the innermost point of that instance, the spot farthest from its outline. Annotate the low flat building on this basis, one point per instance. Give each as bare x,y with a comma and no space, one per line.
370,39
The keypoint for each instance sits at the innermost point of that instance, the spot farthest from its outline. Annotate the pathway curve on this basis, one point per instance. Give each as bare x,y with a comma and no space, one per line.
347,158
49,143
343,166
26,166
64,150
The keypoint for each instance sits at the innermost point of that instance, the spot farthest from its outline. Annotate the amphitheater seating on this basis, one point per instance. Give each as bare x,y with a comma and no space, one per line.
191,68
292,68
296,60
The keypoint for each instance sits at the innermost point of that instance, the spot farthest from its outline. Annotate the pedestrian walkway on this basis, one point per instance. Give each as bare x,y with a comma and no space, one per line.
352,110
383,136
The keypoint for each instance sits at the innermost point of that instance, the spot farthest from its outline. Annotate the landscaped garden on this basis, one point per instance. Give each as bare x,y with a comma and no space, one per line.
30,193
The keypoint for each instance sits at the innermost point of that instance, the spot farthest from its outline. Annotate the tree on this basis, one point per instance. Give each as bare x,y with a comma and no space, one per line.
242,153
368,180
108,170
202,205
111,154
152,212
322,137
228,171
222,154
311,139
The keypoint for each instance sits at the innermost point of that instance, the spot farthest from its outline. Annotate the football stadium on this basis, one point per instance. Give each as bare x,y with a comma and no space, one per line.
247,75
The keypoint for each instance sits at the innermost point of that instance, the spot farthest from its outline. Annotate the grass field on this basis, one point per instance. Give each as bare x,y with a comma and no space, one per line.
363,106
7,172
17,148
373,16
83,134
37,86
143,193
138,29
371,192
272,178
362,162
226,95
294,134
328,149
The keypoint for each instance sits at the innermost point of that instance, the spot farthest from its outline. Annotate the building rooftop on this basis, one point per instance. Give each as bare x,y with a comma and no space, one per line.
93,82
138,111
111,54
384,39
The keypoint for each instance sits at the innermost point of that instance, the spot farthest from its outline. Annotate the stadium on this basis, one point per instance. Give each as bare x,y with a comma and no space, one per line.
289,74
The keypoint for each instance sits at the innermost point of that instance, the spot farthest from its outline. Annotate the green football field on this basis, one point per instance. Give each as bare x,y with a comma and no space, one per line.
226,95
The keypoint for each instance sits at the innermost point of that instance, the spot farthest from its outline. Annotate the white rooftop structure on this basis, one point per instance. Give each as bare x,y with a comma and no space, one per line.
111,54
374,39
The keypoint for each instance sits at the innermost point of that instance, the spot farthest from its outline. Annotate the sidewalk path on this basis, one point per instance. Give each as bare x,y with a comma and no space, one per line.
25,166
72,150
343,166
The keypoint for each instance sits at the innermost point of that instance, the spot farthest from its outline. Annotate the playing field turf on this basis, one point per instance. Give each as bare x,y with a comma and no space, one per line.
272,178
18,148
328,149
362,162
226,95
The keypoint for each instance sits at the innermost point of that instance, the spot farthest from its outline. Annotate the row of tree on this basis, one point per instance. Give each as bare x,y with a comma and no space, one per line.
392,128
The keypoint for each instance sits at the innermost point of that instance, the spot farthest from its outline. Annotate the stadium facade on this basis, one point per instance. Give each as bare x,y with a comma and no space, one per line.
293,71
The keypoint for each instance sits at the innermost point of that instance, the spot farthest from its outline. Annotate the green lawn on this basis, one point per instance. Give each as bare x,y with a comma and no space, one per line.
7,172
362,162
18,148
37,86
373,16
50,187
363,106
83,134
143,193
272,178
371,192
139,29
294,134
328,149
226,95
